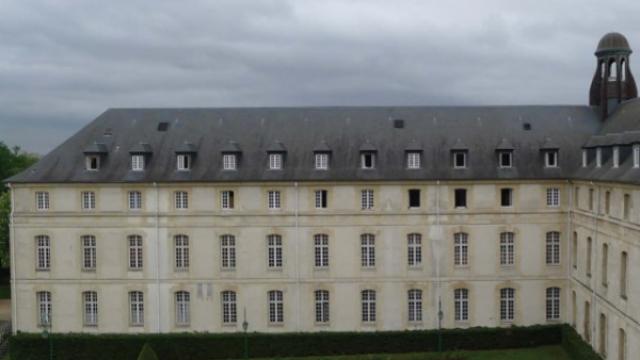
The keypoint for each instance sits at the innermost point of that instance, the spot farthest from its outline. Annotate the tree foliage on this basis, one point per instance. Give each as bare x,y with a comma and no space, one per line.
147,353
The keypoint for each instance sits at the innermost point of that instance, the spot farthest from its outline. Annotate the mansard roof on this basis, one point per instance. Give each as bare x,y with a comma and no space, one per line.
300,130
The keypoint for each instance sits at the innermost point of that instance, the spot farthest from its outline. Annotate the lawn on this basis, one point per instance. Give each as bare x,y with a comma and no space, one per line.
540,353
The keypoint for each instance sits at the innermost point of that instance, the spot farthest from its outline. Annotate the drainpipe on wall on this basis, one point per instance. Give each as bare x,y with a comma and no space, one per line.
12,235
157,222
298,290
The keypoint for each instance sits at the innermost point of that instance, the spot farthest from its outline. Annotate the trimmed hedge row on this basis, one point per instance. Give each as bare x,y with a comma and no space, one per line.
225,346
575,346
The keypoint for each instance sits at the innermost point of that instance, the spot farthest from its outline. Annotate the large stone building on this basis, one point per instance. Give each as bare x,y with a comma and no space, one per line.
340,218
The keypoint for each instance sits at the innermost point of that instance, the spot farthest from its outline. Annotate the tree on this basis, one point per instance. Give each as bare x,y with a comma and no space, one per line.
147,353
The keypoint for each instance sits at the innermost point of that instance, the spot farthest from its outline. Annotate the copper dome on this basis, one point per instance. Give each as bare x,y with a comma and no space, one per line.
613,41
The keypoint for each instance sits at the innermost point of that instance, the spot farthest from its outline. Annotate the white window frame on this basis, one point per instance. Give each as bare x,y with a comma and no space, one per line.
414,159
89,252
414,250
181,200
136,308
461,304
137,162
43,253
275,161
183,162
321,199
460,249
552,248
368,251
598,157
507,304
584,158
321,250
135,200
229,162
228,251
507,249
414,302
276,306
136,252
616,156
455,154
553,197
181,245
551,159
183,308
273,199
229,307
636,156
510,156
363,162
89,161
42,200
552,306
44,301
88,200
321,160
227,200
90,308
322,314
368,299
274,251
367,199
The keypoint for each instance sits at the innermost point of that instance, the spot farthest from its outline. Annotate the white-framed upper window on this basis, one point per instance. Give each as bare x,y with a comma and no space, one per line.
321,161
42,200
459,159
228,251
137,162
88,200
461,304
366,199
274,251
368,298
551,158
414,250
507,304
368,250
321,250
136,308
227,200
181,243
183,162
636,156
276,307
182,200
414,298
616,156
553,303
90,307
273,200
368,160
598,157
584,158
135,200
92,162
413,159
183,308
505,159
229,307
136,259
275,161
507,249
43,253
322,306
229,162
553,197
88,252
321,199
44,308
460,249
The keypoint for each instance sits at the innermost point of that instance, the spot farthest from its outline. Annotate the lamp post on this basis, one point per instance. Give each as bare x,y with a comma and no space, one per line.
46,333
245,326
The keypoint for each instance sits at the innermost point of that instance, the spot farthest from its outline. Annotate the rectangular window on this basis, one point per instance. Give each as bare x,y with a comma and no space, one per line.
322,161
505,159
43,253
553,248
135,200
137,162
414,198
591,200
506,197
136,308
181,243
616,156
460,196
636,156
274,250
367,250
605,265
461,304
368,160
507,249
414,247
589,252
368,298
459,159
551,158
183,162
553,303
584,158
88,200
413,160
367,199
42,200
135,252
229,307
274,200
93,162
414,297
321,250
607,202
228,251
88,253
44,308
574,250
321,199
553,197
226,200
229,162
183,311
460,249
602,347
507,304
626,206
275,161
622,345
623,274
90,305
182,200
276,307
598,157
322,306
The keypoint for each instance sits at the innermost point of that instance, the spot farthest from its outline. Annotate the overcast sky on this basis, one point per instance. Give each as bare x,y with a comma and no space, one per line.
62,63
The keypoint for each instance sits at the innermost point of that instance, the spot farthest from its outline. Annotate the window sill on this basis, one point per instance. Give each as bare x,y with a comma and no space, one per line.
276,324
230,325
89,271
415,267
43,270
322,324
321,268
228,270
136,270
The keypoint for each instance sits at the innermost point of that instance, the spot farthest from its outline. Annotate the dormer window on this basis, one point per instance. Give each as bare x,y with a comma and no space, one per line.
183,162
551,158
598,157
459,159
584,158
636,156
321,160
229,162
275,161
94,154
368,160
93,162
505,159
616,156
137,162
413,159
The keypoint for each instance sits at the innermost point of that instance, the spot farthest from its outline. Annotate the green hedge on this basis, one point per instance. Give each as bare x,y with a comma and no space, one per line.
575,346
225,346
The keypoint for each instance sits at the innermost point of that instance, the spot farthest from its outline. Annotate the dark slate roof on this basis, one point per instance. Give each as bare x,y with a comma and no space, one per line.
276,147
231,147
322,146
140,148
346,129
96,148
186,148
505,145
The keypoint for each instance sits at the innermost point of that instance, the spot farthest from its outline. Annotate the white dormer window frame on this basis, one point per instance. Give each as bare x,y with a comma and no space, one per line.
275,161
229,162
616,156
414,159
368,160
636,156
584,158
505,159
598,157
459,159
551,158
321,160
92,162
137,162
183,162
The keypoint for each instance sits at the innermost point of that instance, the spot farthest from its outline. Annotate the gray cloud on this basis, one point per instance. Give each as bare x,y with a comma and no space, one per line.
64,62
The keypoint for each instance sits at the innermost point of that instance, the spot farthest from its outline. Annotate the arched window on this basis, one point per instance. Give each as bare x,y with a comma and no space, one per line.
135,252
613,70
367,250
321,250
228,251
414,243
43,253
90,304
553,248
44,308
136,308
507,253
276,307
182,252
274,247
